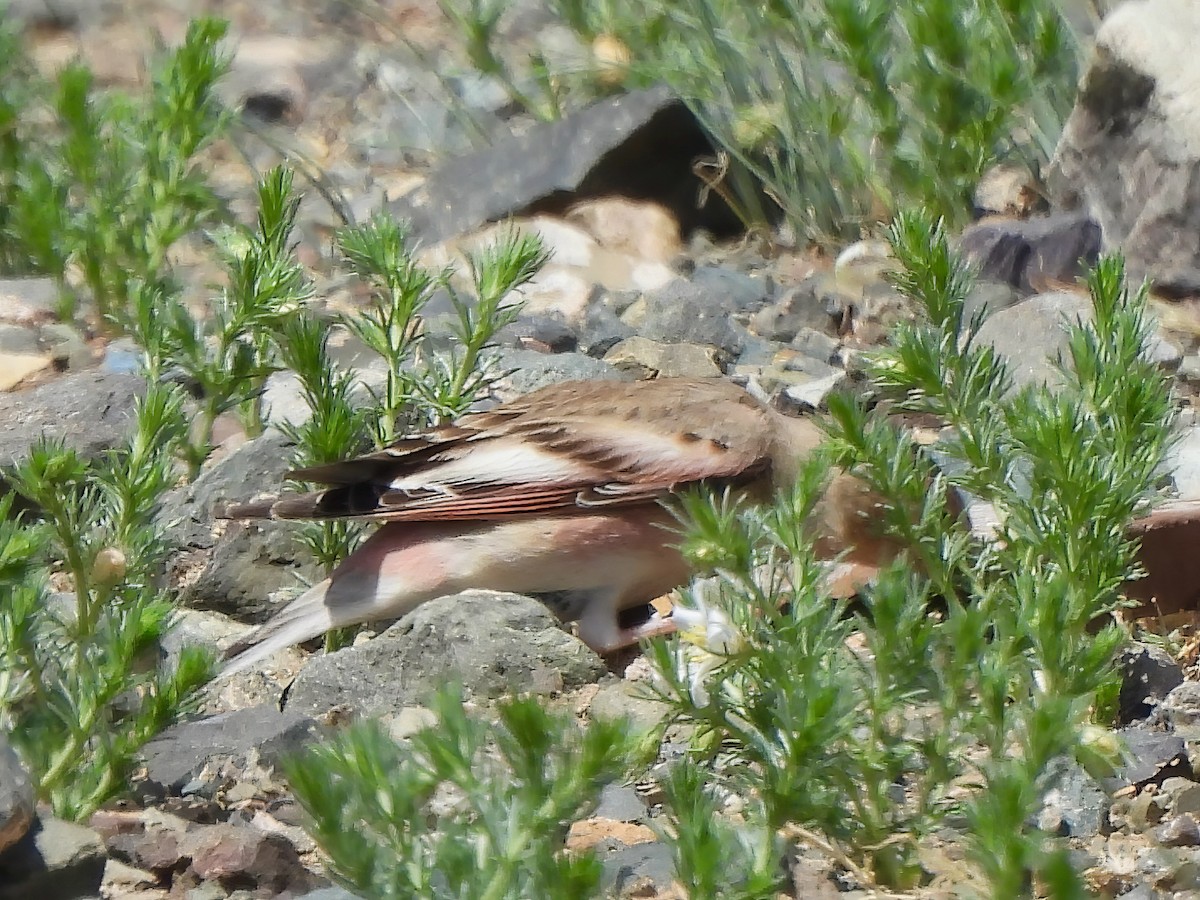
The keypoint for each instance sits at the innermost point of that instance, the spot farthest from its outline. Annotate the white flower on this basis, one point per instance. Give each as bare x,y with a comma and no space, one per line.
708,639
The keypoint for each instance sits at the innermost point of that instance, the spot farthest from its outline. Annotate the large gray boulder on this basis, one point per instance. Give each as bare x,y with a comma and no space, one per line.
1130,153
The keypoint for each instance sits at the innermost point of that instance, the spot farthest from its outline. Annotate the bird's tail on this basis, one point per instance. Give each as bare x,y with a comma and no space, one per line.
304,618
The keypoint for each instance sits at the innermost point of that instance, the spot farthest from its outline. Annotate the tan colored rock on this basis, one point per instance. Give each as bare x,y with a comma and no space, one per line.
17,367
587,834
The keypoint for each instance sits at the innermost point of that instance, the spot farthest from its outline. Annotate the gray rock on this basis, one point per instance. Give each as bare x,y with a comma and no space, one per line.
744,293
16,797
1129,154
624,866
489,642
1076,802
644,358
329,893
55,859
991,296
816,345
244,569
1148,754
688,312
1148,674
1033,333
28,301
807,306
811,397
1031,254
529,370
1179,831
622,803
90,412
1181,708
178,754
640,144
19,339
1183,462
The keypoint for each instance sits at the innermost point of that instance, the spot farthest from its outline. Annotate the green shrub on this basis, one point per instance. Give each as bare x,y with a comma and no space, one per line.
81,687
106,182
505,791
834,114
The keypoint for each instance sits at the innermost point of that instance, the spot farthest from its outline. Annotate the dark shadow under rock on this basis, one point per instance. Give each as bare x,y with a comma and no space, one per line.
1033,254
640,145
491,643
56,860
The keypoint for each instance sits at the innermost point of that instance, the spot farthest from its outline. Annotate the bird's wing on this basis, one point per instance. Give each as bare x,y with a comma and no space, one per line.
573,445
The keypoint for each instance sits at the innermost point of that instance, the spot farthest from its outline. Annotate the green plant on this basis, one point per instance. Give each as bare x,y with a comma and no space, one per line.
506,793
228,353
840,112
112,184
80,686
423,385
983,696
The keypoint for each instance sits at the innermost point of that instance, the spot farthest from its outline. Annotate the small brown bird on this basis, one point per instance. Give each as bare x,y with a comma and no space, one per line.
557,491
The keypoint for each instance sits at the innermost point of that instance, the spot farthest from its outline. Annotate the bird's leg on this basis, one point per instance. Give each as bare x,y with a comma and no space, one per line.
599,627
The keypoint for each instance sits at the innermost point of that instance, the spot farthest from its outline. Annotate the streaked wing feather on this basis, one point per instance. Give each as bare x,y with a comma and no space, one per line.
575,445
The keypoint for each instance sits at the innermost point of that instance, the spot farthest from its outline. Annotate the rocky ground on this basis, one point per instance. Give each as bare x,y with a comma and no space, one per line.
642,284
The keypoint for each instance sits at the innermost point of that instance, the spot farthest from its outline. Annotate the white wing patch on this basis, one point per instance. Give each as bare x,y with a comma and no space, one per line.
502,462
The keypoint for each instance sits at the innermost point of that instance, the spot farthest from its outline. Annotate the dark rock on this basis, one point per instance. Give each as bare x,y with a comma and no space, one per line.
491,643
90,412
689,312
233,855
805,306
1129,154
1179,831
1075,802
624,866
1148,674
743,293
640,145
54,15
157,850
622,803
1150,756
602,328
245,569
55,859
180,753
545,333
16,797
1033,254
